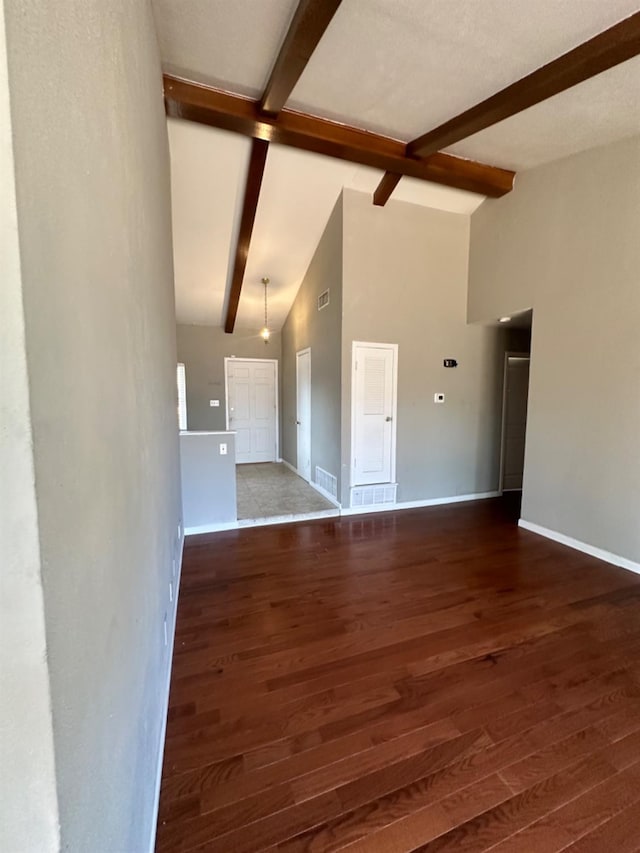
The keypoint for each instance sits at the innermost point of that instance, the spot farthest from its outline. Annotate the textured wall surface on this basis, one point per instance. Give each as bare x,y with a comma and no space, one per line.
321,331
208,480
28,801
203,349
566,242
405,282
93,204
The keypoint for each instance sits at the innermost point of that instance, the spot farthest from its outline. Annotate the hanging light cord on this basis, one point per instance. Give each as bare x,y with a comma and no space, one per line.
265,306
265,332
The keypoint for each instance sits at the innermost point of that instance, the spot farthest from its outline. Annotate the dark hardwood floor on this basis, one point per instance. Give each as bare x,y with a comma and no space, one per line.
429,680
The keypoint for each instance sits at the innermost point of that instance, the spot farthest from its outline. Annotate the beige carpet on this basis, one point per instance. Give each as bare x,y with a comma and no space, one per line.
271,489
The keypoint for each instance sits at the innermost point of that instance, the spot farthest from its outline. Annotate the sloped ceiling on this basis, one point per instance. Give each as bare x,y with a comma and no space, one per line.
397,68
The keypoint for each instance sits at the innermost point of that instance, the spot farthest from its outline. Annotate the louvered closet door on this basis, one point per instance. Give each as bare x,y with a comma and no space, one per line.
374,415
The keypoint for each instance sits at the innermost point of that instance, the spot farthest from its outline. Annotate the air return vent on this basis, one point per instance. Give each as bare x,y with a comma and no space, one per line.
327,482
323,300
373,495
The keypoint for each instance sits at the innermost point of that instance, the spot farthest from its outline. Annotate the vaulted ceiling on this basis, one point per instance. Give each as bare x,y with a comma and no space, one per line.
397,69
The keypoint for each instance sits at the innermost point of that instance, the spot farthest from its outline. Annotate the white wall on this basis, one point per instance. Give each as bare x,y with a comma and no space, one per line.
28,802
92,181
405,282
567,243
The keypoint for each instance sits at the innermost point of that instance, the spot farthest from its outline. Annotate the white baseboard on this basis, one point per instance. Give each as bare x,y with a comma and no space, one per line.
165,702
313,485
287,519
454,499
290,466
210,528
591,550
325,494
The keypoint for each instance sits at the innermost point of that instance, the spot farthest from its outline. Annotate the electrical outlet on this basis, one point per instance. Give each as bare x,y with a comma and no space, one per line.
438,398
179,530
223,449
170,591
165,630
173,568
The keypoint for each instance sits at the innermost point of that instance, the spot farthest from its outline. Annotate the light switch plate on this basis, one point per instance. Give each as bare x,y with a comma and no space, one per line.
438,398
223,450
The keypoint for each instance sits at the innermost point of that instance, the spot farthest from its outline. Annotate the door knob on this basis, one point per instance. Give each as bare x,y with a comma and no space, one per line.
298,422
388,418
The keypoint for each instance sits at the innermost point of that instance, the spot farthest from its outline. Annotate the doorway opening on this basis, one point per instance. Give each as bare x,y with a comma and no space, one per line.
515,396
516,347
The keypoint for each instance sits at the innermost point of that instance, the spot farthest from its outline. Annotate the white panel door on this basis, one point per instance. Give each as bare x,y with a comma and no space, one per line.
251,397
303,412
374,403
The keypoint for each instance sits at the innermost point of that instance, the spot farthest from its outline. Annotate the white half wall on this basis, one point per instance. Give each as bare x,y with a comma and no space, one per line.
566,242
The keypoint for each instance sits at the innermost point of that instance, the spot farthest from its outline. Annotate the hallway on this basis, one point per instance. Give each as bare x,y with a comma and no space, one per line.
433,679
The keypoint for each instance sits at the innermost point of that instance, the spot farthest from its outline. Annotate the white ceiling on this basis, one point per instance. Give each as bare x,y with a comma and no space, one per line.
231,44
399,68
299,190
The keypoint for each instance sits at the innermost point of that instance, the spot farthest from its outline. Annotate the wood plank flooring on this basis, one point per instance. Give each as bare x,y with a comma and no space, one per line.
433,680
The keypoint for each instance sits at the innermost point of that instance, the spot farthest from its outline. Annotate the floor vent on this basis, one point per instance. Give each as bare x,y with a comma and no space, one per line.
373,495
326,481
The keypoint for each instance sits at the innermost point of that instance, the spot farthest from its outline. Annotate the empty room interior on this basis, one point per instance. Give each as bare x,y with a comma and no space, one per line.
320,513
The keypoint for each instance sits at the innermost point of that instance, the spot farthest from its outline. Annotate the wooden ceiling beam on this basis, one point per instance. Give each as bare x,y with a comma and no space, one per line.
257,162
205,105
311,19
604,51
387,185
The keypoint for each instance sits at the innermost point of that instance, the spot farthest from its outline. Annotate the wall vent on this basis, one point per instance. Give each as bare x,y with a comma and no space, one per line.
384,493
326,481
323,300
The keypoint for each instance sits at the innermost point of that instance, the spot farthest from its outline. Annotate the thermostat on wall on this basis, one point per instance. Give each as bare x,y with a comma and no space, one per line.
450,362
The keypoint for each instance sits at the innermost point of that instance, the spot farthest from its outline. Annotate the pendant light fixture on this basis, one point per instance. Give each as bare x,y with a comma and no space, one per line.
265,333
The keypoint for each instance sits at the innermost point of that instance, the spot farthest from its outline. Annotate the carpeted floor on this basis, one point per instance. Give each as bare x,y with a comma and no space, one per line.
270,489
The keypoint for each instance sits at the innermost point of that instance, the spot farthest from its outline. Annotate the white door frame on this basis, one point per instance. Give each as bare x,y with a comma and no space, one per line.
274,361
299,353
503,435
394,404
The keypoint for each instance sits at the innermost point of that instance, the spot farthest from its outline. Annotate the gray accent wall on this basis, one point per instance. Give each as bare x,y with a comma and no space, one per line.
203,350
305,327
208,480
96,285
566,242
405,282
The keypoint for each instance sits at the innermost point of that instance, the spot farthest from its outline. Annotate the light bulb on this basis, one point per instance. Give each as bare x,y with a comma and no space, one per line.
265,333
